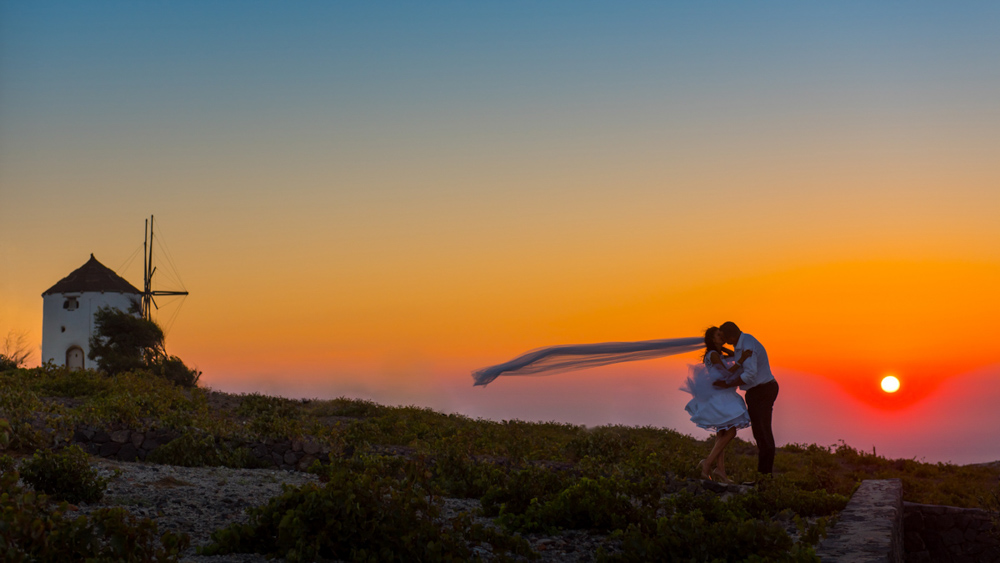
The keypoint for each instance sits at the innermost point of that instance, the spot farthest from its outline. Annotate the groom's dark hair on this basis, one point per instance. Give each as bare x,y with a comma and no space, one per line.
730,330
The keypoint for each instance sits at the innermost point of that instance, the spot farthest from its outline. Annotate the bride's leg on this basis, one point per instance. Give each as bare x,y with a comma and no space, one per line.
721,442
726,437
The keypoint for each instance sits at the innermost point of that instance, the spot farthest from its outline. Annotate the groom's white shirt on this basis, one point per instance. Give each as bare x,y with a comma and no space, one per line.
756,369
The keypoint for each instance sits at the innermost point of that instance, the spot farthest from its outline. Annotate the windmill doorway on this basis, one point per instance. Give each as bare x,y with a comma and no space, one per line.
74,358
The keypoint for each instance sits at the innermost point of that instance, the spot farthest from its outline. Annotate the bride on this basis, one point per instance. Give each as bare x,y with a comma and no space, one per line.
720,410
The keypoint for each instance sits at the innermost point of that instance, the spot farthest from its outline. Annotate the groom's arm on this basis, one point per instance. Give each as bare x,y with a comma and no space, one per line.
735,382
749,375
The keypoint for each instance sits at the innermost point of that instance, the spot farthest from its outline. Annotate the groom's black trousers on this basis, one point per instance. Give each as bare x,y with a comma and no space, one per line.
760,405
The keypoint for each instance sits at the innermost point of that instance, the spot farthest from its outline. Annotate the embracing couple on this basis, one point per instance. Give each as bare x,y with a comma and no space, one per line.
717,406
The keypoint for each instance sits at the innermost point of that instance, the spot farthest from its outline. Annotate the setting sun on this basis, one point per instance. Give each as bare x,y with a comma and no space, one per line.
890,384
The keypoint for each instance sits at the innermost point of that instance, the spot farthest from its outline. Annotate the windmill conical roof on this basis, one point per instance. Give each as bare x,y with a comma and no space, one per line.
92,276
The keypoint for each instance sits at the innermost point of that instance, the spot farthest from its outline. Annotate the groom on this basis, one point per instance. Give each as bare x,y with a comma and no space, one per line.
761,391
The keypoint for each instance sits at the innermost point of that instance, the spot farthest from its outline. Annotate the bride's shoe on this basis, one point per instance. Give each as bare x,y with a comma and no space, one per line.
704,470
722,477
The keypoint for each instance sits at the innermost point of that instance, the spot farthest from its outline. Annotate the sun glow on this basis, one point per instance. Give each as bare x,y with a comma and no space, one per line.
890,384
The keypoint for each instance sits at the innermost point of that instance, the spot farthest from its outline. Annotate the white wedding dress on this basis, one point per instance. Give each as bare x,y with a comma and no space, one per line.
710,408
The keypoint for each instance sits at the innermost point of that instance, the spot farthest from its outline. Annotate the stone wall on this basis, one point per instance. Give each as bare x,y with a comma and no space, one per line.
870,528
132,445
947,534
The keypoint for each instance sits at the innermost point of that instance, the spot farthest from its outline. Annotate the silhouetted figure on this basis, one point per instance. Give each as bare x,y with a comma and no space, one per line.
761,390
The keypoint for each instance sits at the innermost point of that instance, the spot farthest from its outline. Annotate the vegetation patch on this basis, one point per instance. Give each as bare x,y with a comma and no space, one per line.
33,528
369,509
64,475
395,464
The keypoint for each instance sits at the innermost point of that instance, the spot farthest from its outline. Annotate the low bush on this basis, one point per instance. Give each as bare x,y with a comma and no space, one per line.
60,381
457,474
194,449
19,407
356,515
255,404
32,529
342,406
522,488
777,493
703,527
609,444
602,504
64,475
172,369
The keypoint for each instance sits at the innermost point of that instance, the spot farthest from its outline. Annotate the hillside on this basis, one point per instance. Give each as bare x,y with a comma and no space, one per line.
404,482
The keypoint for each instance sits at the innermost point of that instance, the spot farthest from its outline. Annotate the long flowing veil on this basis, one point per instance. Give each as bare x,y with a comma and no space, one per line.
556,359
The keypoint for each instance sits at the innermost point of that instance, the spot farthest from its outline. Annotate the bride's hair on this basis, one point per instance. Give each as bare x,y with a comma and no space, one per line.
710,341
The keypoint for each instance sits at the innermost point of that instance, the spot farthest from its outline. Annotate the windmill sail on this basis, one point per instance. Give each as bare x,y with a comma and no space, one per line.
148,302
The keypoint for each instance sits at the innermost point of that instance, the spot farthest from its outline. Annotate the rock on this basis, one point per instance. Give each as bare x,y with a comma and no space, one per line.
714,487
311,447
137,439
128,452
305,462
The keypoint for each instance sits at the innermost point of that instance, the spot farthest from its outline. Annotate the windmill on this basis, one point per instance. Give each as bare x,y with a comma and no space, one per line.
148,295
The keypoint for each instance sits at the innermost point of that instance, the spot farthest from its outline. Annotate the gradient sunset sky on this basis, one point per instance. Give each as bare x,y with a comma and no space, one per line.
375,199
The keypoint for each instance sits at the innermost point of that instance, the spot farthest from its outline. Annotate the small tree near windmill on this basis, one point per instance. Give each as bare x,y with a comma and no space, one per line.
123,341
14,351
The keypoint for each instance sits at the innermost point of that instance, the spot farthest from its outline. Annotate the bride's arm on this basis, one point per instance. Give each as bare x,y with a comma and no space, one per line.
737,381
717,361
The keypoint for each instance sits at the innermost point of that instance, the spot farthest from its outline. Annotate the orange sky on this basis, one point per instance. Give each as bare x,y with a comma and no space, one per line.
377,202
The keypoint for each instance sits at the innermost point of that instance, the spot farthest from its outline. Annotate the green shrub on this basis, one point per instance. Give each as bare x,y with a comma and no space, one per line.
522,488
703,527
32,529
342,406
255,404
19,407
63,382
691,537
135,399
173,370
7,464
608,443
5,432
65,475
194,449
7,364
356,515
588,504
777,493
455,473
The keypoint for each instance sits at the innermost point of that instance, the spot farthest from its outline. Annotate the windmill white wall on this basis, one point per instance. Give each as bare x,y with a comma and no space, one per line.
68,310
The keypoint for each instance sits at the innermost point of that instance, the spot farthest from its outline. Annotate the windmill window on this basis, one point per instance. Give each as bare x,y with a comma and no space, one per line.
62,329
71,304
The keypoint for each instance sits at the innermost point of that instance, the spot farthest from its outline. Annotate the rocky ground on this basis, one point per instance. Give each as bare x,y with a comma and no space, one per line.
200,500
